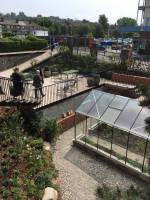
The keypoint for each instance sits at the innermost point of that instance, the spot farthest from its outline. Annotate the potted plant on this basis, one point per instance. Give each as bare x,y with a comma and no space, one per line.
93,80
47,72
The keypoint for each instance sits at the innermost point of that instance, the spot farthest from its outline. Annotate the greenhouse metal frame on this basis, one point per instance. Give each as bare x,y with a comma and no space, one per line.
118,112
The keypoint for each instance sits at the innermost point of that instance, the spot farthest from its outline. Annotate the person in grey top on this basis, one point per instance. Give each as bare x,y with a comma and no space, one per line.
38,83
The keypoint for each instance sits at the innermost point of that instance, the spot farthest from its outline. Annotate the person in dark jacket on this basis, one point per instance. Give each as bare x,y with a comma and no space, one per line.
37,83
17,79
41,74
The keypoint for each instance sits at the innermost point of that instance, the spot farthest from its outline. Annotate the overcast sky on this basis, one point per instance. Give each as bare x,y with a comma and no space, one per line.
75,9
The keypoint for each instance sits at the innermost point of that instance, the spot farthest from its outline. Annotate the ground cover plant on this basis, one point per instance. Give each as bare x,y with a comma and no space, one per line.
105,192
25,168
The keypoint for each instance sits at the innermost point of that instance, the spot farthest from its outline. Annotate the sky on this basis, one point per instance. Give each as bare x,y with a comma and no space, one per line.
74,9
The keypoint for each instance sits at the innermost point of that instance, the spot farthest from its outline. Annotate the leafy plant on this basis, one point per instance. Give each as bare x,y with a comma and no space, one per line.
42,180
37,144
50,130
111,193
5,166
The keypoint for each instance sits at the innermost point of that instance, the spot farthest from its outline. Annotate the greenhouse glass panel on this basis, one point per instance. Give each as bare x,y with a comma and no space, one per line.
110,116
139,126
119,102
97,94
97,111
128,115
89,102
105,99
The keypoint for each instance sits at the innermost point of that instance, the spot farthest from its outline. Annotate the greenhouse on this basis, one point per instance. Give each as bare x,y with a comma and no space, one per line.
115,125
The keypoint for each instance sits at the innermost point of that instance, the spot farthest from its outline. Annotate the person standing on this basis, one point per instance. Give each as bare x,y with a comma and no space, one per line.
17,79
41,74
38,83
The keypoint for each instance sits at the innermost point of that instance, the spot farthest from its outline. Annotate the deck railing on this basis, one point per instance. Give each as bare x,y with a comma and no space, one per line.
7,91
62,89
52,93
59,90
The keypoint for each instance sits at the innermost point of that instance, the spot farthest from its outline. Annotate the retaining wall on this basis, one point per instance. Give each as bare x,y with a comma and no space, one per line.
130,79
8,61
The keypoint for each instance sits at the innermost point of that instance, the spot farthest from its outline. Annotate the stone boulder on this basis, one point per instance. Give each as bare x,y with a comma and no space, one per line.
50,194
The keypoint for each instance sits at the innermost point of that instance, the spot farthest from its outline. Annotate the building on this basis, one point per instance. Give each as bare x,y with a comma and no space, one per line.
143,28
22,28
143,13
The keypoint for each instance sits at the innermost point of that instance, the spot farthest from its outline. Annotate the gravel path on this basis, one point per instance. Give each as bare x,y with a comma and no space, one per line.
80,174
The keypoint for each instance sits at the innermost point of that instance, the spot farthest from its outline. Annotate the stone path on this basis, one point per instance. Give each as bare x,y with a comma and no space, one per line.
80,174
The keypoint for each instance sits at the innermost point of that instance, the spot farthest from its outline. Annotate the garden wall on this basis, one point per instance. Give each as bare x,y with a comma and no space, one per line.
129,79
66,123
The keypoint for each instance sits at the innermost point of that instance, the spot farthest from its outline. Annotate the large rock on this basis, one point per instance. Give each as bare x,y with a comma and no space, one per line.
50,194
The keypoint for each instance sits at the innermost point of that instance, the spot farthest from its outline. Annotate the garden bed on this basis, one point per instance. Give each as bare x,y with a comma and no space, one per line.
26,168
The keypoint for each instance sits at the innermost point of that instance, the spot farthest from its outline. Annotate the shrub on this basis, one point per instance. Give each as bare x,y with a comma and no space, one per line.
43,180
5,166
5,194
15,44
31,121
37,144
50,130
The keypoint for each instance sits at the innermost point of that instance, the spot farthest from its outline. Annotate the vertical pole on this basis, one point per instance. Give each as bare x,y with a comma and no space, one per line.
85,129
75,128
97,139
112,136
127,147
144,154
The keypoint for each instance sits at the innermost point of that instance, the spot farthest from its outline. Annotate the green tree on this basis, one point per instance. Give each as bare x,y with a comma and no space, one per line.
103,21
126,21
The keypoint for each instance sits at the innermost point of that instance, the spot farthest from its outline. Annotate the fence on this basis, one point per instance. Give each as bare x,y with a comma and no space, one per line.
52,93
7,91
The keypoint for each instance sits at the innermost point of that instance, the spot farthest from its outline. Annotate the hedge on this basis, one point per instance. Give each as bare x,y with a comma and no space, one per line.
22,45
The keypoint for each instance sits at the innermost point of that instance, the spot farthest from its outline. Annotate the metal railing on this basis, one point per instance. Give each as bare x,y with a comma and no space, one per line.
62,89
52,93
59,90
15,91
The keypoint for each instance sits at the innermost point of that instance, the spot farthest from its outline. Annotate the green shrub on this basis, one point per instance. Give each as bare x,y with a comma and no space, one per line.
109,193
5,182
5,194
43,180
37,144
5,166
15,44
13,153
50,130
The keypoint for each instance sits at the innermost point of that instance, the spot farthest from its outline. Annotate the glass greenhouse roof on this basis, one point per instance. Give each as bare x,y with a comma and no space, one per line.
118,111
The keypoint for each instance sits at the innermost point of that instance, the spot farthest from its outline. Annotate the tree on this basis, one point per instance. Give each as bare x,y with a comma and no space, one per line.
22,16
13,15
83,29
103,21
126,21
114,31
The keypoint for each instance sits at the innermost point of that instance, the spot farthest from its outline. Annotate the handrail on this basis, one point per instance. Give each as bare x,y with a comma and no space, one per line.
51,93
15,90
